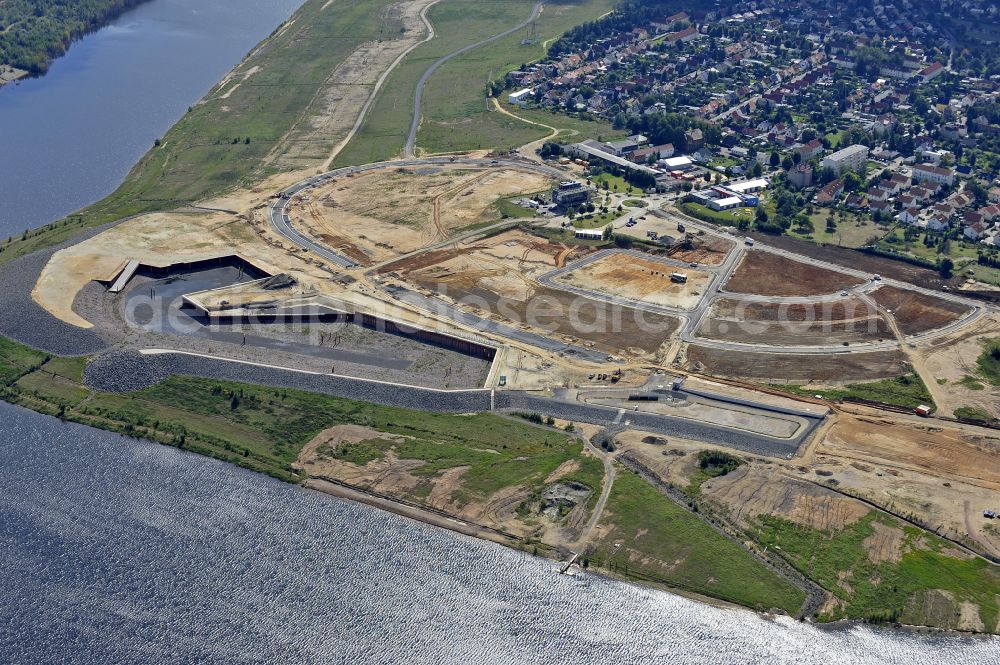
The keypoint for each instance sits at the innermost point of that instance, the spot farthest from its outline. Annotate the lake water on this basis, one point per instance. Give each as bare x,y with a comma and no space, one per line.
123,551
120,551
69,138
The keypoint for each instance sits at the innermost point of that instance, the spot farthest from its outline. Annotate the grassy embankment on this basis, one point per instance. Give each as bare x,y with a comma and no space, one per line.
906,391
264,429
207,152
661,542
457,23
922,580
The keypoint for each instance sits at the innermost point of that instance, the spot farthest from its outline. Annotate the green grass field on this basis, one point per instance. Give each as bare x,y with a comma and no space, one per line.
877,588
988,362
17,360
569,127
662,542
457,115
730,217
457,23
498,452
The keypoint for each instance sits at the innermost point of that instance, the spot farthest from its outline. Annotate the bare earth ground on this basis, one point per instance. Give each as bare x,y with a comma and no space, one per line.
156,239
805,368
947,476
707,250
826,323
953,358
637,278
774,275
494,277
442,490
380,215
917,312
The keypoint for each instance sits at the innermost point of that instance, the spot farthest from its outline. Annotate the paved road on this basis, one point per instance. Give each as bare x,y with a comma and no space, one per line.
411,138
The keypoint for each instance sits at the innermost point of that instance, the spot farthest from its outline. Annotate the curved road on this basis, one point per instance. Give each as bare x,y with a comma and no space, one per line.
411,138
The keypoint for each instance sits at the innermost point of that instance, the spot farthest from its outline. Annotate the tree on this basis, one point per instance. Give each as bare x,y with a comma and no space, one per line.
945,267
775,159
852,182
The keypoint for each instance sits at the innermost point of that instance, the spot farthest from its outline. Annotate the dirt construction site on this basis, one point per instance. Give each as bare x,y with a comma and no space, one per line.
378,216
643,279
455,284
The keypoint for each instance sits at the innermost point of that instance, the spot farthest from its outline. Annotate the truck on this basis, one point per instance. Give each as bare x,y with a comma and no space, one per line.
923,411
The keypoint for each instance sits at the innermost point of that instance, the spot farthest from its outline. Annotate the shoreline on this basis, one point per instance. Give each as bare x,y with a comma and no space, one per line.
440,519
56,50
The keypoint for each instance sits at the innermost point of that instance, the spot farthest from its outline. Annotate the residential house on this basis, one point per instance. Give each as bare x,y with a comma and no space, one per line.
856,202
694,139
908,215
809,150
878,194
931,173
801,175
974,231
830,192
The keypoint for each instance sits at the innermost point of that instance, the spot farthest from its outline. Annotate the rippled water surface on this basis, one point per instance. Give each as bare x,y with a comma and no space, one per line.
122,551
69,137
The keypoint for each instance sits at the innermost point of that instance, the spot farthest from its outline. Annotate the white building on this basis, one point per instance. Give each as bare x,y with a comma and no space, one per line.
725,203
851,158
931,173
589,234
677,163
521,97
748,186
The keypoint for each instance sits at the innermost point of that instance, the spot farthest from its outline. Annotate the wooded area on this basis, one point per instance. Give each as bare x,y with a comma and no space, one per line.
35,32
